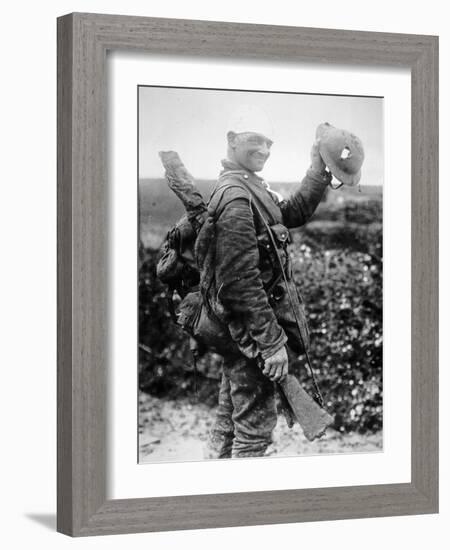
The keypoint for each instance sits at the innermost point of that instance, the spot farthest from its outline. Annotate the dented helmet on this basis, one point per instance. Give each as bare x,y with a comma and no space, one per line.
342,152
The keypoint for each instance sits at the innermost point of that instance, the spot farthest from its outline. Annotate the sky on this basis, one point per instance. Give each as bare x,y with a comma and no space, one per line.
194,122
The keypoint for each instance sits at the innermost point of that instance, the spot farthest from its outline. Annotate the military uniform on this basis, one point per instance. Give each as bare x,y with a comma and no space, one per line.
259,323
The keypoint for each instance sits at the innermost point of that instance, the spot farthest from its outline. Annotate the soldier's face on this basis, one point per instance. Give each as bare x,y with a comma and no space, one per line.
250,150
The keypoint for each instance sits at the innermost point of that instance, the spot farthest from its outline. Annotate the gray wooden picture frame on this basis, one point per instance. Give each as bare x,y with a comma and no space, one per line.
83,41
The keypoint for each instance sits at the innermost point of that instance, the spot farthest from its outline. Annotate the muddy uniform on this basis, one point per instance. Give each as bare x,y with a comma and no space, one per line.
260,326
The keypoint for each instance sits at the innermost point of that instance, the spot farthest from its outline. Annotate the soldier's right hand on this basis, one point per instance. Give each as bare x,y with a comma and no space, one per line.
276,366
317,163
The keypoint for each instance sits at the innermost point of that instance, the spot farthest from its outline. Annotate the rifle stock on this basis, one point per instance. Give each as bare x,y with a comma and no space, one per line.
313,419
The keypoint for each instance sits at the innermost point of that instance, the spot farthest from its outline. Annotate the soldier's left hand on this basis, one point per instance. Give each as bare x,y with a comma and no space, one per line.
276,366
317,163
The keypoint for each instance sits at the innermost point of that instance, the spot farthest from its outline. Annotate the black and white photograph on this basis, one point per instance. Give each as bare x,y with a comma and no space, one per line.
223,233
260,276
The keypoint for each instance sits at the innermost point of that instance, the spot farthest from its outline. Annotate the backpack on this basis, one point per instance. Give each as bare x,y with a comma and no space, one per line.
176,266
185,265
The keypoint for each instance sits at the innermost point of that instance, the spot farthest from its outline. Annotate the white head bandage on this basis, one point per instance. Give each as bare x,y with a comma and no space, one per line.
249,118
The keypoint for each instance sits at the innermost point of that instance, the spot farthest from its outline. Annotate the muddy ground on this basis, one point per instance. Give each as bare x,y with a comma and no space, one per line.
175,431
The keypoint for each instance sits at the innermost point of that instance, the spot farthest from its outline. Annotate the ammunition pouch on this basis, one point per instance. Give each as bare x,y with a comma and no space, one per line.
270,264
281,234
202,324
280,302
275,287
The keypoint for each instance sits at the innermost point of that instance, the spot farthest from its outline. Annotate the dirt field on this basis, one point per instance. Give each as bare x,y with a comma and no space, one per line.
176,431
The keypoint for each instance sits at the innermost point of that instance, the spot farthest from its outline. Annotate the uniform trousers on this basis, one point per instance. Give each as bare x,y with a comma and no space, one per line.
246,415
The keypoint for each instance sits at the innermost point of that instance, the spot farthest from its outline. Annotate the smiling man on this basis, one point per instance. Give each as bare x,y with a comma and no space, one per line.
249,286
249,149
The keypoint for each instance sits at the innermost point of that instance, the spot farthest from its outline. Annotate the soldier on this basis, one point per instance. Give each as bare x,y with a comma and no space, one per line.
250,288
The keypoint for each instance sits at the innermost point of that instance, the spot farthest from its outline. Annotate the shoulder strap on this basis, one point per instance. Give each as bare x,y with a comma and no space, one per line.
218,195
253,198
259,205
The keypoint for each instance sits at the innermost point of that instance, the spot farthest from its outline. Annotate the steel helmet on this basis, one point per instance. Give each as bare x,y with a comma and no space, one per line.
342,152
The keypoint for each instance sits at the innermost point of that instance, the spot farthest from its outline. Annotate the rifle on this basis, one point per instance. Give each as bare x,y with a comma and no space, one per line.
296,402
182,184
310,413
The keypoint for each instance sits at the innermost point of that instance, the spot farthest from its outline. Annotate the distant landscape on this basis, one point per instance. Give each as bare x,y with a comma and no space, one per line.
159,207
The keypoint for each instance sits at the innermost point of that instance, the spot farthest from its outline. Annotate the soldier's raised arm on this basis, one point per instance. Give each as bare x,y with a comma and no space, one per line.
301,205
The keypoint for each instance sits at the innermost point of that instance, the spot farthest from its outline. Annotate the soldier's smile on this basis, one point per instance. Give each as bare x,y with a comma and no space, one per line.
252,151
258,159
